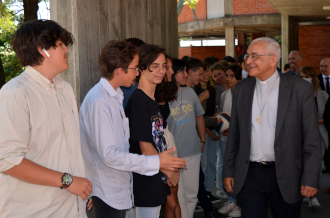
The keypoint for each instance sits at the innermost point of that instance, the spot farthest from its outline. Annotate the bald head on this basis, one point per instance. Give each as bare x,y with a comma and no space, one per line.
295,60
324,66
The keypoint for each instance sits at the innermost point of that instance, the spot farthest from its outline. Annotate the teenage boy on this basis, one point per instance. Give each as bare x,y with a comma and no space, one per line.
41,163
105,133
146,132
195,70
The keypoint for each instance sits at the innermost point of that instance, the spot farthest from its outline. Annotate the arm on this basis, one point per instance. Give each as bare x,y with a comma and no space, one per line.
201,128
204,96
211,134
14,134
148,149
312,154
233,140
30,172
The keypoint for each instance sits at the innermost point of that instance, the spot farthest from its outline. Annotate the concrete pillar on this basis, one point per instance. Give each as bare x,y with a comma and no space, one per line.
230,42
289,38
94,22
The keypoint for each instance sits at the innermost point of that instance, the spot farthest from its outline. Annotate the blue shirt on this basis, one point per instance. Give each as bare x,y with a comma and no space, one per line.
292,73
128,92
104,137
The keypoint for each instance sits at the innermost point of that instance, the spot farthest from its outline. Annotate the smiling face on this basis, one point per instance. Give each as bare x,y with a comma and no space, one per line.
58,57
130,76
196,76
219,76
206,76
231,79
157,70
181,77
263,66
169,70
295,61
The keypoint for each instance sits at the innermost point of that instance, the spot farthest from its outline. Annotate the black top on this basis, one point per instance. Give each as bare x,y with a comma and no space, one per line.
210,104
146,124
165,110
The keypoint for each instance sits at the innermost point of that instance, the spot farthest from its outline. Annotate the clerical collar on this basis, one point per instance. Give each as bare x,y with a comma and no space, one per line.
269,80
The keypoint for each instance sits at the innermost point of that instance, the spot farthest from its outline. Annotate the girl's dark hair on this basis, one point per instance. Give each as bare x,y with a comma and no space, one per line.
148,54
237,70
166,91
178,65
37,34
116,54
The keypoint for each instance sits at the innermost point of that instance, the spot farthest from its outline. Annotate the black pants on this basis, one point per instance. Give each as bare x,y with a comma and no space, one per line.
261,187
203,200
102,210
326,158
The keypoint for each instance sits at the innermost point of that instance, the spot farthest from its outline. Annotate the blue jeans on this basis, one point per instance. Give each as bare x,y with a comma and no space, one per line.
220,156
208,161
143,212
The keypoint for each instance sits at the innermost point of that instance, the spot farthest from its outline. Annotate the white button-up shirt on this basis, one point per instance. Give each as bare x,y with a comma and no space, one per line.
39,122
104,136
263,136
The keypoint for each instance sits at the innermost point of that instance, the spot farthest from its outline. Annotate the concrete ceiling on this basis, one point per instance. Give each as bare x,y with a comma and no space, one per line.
302,10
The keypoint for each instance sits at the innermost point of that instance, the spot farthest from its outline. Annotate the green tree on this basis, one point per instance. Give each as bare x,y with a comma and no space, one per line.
190,3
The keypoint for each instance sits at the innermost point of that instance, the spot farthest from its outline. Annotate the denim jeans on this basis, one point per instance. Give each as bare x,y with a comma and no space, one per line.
208,161
220,156
143,212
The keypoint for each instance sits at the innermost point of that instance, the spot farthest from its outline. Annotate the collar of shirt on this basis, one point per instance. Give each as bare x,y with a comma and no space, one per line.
324,76
43,81
270,80
117,93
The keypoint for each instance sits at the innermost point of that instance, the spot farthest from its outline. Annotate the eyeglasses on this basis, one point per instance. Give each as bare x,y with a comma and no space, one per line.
136,69
254,57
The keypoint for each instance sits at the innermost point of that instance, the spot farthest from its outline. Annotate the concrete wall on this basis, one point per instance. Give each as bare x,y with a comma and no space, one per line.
215,8
95,22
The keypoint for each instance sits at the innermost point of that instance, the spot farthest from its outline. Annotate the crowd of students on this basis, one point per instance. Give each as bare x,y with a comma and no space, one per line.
144,135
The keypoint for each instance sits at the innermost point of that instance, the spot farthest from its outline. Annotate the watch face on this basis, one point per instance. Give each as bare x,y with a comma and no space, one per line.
67,179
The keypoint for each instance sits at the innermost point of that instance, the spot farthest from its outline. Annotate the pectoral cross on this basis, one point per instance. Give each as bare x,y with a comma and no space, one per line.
258,119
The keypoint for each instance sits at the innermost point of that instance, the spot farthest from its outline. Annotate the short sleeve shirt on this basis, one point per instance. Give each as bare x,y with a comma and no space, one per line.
146,125
182,122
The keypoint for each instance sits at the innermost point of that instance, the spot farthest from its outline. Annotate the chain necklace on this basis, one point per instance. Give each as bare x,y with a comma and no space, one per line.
258,119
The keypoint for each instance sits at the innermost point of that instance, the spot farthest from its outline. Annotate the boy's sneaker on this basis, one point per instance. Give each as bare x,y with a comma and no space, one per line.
227,207
212,198
306,200
236,212
221,194
314,202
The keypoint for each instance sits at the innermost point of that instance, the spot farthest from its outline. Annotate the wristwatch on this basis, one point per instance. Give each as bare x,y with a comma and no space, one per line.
66,180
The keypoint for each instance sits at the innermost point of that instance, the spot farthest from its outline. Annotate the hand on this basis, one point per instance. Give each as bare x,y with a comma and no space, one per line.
172,178
168,162
90,204
81,187
225,132
204,96
308,191
219,121
213,136
321,121
229,184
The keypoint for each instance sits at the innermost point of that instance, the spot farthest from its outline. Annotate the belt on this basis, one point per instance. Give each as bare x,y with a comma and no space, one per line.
266,164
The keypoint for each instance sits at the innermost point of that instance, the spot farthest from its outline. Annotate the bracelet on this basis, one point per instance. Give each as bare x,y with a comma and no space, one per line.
202,142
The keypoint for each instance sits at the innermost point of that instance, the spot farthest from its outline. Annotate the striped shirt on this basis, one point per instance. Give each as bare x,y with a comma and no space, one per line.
104,138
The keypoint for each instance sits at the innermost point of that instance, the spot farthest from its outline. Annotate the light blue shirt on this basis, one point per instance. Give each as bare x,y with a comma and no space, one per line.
104,139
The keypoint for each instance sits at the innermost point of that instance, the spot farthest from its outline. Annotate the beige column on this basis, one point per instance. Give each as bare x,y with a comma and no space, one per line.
289,38
230,42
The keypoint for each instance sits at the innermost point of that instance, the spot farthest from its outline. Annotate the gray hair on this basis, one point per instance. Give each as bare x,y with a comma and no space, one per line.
271,45
299,54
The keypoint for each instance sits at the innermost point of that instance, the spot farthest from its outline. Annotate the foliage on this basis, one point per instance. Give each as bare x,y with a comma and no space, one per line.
9,21
190,3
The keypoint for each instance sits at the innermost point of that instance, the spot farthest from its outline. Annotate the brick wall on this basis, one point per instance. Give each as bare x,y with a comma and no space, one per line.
202,52
314,45
186,14
252,7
